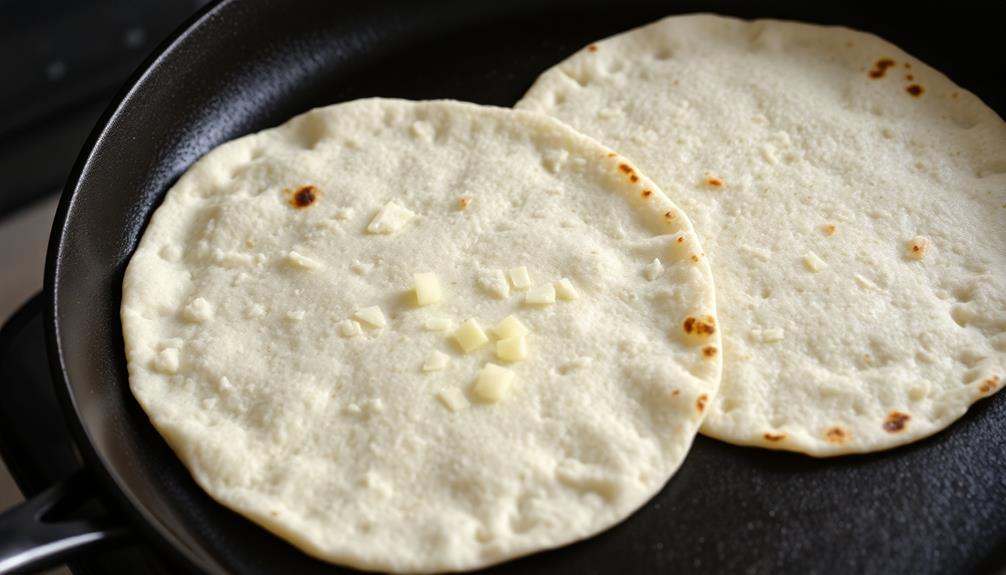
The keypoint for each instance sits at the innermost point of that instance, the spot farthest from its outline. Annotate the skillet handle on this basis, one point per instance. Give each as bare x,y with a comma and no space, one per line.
33,537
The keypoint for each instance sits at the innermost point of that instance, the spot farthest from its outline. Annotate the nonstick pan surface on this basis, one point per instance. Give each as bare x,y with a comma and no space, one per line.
935,506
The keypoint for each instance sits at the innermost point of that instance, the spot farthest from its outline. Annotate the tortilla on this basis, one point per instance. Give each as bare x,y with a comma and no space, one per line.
275,337
851,200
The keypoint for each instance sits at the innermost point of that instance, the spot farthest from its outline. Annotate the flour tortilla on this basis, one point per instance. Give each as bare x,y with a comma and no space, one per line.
793,148
235,309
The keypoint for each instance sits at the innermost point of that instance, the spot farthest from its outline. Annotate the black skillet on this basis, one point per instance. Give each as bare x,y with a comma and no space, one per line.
933,507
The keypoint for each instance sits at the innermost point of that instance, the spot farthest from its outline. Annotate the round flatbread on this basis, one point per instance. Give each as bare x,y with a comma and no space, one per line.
851,200
274,333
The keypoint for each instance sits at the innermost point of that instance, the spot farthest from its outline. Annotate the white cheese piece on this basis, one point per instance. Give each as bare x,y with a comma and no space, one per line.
437,361
540,295
494,283
470,336
760,253
553,160
427,288
509,327
198,311
375,406
439,324
564,289
452,398
390,218
512,348
520,278
361,268
167,360
493,383
864,282
813,263
773,334
301,261
653,270
917,247
343,213
372,315
296,315
349,328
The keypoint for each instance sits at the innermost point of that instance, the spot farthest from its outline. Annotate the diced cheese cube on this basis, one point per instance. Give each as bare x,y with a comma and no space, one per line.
509,327
512,348
493,383
653,270
296,315
813,263
565,290
520,278
349,328
301,261
372,315
540,295
198,311
452,398
427,288
167,360
494,283
438,360
470,336
390,218
439,324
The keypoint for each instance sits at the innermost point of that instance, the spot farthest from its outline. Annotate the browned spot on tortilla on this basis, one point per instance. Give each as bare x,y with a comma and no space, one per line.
680,240
592,48
880,68
955,95
612,154
709,351
703,326
828,229
989,384
675,392
700,402
896,421
625,168
633,178
909,77
464,202
669,216
915,90
774,436
646,193
908,65
303,196
695,258
836,435
714,181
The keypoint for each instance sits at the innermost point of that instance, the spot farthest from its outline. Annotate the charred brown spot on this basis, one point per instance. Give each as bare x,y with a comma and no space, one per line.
916,248
625,168
592,48
880,68
709,351
896,421
955,95
669,216
695,258
675,392
836,435
700,402
915,90
647,193
908,65
714,181
681,239
464,202
989,384
612,154
303,196
701,326
774,436
633,178
909,77
828,229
